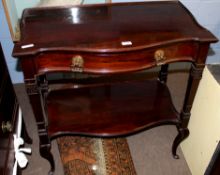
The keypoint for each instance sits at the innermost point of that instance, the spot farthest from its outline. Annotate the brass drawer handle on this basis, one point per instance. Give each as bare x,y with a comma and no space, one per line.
77,63
6,126
159,57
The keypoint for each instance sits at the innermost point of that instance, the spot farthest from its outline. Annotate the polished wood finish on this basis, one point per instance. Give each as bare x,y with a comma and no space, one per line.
114,62
108,39
146,25
116,109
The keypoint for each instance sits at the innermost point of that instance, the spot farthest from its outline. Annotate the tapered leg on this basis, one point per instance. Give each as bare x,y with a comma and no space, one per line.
182,134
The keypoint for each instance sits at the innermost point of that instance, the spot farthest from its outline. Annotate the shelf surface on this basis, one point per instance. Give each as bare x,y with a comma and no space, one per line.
110,110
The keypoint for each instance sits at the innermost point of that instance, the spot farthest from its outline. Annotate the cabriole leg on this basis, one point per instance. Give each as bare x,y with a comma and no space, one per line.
182,134
193,82
45,152
36,92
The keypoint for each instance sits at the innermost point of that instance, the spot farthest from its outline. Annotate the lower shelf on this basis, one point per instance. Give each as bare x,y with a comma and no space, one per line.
110,110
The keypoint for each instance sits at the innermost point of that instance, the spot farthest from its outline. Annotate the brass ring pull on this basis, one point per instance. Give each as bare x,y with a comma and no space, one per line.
6,126
159,57
77,63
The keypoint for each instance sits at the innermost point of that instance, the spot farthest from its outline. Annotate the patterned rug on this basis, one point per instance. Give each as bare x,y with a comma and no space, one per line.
92,156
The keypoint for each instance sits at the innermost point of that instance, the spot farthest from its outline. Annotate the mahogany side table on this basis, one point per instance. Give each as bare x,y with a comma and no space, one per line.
108,39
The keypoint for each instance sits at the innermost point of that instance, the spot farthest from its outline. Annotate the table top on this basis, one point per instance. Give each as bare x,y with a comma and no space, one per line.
108,28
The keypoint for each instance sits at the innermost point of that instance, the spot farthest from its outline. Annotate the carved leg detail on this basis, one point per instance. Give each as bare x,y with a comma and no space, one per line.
45,153
182,134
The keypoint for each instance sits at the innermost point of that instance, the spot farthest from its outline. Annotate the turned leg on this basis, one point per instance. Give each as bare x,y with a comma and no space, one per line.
163,73
36,89
182,134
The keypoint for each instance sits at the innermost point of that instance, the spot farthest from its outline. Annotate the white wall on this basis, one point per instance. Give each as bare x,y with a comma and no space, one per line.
206,12
93,1
204,128
21,4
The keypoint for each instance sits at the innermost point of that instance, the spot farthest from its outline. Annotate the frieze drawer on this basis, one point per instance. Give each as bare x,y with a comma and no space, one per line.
114,62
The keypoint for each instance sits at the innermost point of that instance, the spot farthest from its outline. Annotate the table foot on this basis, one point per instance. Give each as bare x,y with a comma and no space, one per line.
182,134
45,153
